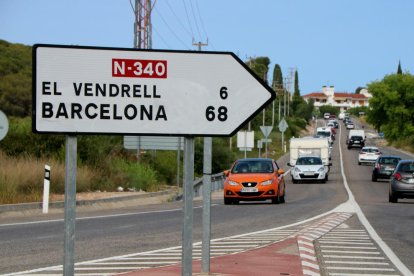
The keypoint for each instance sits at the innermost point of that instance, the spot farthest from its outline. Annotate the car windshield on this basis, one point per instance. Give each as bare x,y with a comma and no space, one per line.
389,161
369,150
323,133
407,168
309,161
253,166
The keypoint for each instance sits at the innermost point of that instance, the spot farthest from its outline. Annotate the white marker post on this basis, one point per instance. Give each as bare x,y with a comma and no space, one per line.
46,188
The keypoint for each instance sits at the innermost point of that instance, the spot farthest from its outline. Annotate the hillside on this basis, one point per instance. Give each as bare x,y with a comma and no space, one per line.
15,79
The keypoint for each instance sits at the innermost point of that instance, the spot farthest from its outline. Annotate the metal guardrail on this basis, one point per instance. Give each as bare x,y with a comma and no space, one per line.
217,183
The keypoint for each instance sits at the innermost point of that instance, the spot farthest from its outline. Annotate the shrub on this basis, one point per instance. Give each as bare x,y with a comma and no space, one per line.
136,175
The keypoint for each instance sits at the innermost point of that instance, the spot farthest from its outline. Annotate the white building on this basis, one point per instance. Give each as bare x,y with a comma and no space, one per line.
342,100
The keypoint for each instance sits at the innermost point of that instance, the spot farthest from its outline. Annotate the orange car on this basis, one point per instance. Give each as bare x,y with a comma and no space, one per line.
254,179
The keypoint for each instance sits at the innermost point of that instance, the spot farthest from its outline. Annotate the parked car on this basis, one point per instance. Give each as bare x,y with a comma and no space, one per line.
253,179
326,116
384,166
368,155
309,168
402,181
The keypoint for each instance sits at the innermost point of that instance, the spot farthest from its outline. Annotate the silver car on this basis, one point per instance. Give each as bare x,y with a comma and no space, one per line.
309,168
402,181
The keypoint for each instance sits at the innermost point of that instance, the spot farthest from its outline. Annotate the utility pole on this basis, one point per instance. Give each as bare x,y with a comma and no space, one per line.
207,169
285,91
290,87
200,44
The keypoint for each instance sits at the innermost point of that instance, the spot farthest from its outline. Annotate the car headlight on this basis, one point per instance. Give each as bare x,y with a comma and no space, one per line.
267,182
233,183
321,169
297,169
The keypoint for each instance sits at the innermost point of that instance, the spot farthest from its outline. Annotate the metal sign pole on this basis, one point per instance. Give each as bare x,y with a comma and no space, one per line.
70,205
187,258
206,204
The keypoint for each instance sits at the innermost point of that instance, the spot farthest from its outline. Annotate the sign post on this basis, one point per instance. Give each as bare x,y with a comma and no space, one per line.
96,90
282,128
266,130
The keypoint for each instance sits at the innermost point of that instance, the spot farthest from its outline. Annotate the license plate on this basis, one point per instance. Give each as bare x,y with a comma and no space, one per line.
356,142
249,190
308,173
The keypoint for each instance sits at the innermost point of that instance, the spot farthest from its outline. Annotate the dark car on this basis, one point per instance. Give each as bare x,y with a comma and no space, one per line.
384,166
356,140
402,181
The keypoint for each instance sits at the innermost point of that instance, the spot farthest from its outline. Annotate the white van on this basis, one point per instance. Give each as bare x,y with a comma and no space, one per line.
325,132
356,138
309,146
307,150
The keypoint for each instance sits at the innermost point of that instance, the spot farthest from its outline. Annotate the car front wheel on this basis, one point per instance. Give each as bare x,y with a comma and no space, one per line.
227,201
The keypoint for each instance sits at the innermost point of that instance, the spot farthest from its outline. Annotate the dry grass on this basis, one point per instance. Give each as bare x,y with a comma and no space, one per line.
21,179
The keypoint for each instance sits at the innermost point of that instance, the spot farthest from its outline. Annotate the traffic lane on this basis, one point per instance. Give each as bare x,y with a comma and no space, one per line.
118,235
303,200
96,238
24,247
393,222
160,227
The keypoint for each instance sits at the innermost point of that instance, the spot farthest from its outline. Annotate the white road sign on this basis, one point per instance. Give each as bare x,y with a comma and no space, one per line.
148,92
283,125
4,125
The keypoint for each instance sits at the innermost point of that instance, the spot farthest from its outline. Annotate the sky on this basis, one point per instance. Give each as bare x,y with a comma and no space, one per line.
344,43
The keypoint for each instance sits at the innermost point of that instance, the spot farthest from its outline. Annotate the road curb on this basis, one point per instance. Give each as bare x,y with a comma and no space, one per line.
61,204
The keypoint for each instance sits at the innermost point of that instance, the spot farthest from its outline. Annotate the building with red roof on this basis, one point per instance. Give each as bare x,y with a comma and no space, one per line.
342,100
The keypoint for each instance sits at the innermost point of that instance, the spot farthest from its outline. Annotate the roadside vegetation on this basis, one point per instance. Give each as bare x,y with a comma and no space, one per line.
102,162
391,108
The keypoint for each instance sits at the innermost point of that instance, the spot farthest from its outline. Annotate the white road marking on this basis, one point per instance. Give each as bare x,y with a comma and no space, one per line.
352,206
356,263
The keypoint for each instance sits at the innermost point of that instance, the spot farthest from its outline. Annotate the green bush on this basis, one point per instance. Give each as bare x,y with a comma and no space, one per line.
136,175
165,163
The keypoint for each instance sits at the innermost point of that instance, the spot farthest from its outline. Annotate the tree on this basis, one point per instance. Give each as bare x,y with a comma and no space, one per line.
297,99
15,79
328,109
399,70
260,66
358,90
277,77
391,106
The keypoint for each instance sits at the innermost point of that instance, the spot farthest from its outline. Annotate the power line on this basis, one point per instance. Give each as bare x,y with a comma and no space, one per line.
195,19
178,19
171,30
201,19
188,18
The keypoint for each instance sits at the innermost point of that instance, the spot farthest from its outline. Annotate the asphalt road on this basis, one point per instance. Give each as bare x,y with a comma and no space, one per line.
101,234
393,222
